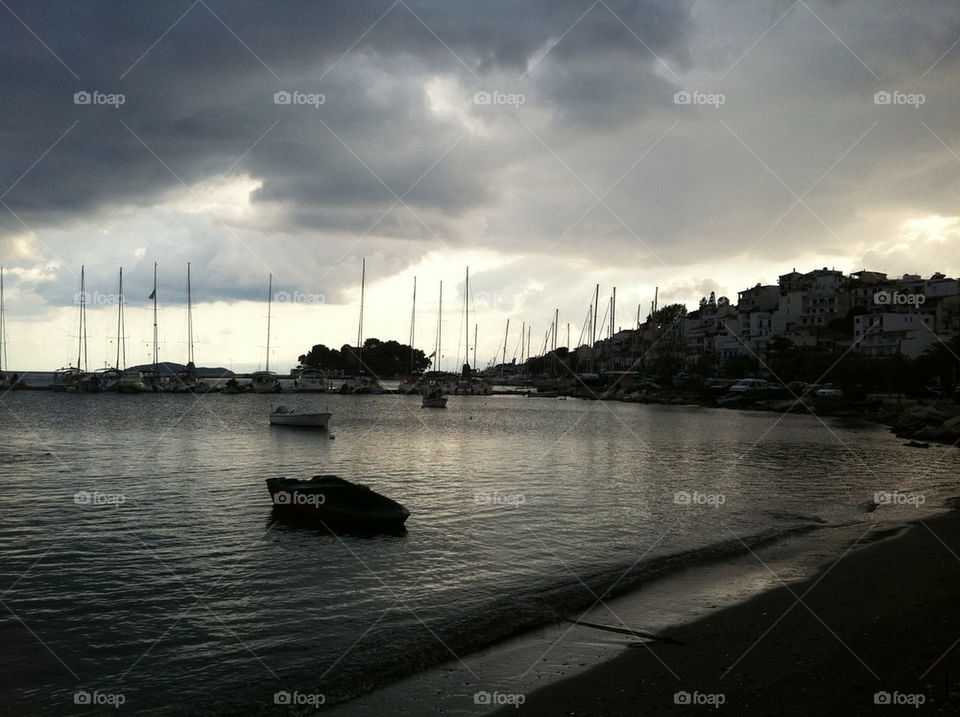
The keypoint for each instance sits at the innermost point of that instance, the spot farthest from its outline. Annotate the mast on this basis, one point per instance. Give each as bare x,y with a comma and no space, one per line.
154,297
82,336
413,322
190,320
593,329
439,328
121,339
363,281
523,334
3,328
556,320
476,328
613,311
506,334
269,309
466,306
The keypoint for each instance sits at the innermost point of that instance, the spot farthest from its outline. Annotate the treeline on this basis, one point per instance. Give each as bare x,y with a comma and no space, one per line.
384,359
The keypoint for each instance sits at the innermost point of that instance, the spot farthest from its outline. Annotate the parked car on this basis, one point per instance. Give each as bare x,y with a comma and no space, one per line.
829,390
751,385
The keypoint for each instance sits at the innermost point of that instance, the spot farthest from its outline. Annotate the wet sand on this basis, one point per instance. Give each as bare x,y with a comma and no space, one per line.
881,624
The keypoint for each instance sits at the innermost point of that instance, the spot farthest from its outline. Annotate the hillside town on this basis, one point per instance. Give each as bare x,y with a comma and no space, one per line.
865,314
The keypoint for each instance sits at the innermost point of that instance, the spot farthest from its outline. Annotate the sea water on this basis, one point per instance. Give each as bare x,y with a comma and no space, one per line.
141,560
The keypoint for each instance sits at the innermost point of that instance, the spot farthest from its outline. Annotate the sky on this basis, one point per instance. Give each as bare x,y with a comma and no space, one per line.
660,145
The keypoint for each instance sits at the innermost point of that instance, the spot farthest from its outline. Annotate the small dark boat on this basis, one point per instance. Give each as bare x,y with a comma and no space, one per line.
331,499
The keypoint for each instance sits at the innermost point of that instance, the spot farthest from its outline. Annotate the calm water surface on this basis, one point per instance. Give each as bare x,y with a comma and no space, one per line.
139,555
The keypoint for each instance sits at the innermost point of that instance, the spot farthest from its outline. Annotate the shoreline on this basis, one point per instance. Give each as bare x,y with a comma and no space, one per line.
880,622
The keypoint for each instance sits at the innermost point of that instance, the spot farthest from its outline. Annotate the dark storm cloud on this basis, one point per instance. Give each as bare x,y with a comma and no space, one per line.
198,81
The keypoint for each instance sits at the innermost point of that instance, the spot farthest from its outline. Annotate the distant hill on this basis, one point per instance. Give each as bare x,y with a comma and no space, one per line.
170,368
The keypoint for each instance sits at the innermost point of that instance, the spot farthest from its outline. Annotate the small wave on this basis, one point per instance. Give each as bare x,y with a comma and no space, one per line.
508,615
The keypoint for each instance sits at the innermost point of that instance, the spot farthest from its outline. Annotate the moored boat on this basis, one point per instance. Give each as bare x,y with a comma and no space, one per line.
433,396
331,499
286,416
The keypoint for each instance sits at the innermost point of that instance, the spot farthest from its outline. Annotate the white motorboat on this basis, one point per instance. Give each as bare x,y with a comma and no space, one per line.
286,416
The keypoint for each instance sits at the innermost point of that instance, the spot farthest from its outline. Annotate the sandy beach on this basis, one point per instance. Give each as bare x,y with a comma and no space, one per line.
877,628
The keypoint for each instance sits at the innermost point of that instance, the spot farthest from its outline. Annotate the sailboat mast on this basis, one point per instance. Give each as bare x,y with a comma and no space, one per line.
593,329
506,334
613,311
3,327
439,327
556,327
82,342
154,296
523,334
466,306
363,282
269,310
121,348
413,322
476,328
189,319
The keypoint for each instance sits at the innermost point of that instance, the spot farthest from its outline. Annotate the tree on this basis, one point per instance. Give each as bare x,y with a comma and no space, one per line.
380,358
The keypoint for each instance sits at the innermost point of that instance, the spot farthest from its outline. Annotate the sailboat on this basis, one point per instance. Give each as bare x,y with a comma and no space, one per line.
126,381
361,383
13,381
266,381
76,379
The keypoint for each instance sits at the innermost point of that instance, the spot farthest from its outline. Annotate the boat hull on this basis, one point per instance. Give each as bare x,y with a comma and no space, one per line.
332,500
304,420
